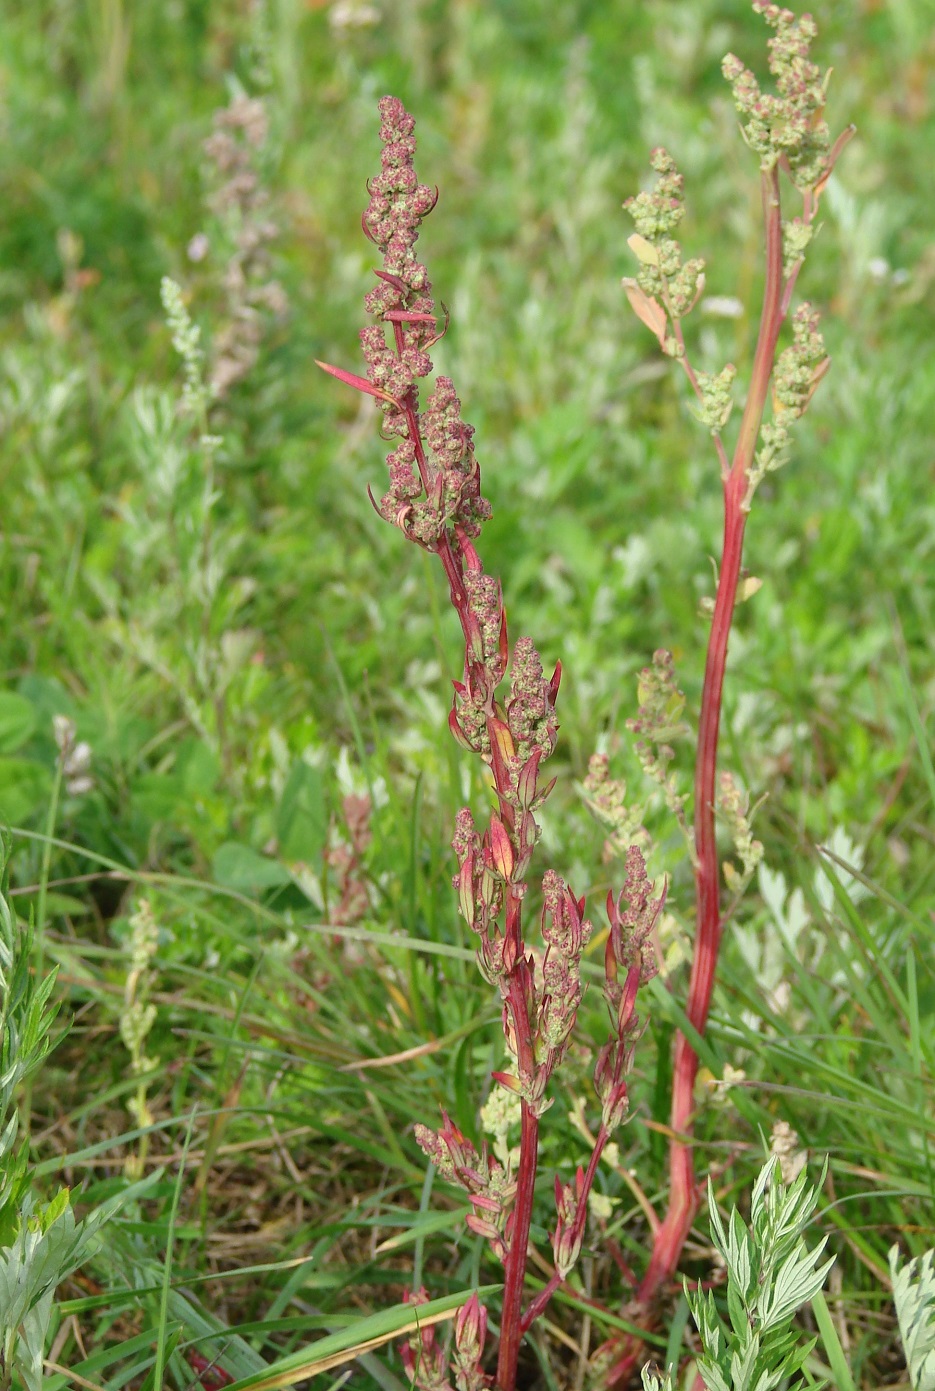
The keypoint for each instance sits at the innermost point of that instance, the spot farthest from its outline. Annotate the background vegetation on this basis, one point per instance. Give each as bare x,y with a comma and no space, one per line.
260,668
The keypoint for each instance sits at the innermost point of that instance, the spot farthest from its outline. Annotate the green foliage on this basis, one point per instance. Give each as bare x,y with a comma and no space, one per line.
914,1297
41,1243
27,1014
326,652
770,1275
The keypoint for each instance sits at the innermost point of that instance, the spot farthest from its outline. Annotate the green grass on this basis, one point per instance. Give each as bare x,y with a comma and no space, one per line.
226,735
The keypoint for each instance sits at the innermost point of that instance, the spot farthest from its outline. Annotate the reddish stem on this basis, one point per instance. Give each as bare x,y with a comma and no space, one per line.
683,1193
541,1301
511,1330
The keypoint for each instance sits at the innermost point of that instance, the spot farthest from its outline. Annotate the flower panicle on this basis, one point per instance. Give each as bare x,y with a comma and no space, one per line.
788,125
490,1186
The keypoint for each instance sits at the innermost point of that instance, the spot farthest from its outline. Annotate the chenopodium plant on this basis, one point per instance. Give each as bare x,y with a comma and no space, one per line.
41,1243
788,133
771,1274
435,499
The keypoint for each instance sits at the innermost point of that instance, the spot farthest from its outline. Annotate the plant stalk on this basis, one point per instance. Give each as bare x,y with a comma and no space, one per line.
511,1329
683,1191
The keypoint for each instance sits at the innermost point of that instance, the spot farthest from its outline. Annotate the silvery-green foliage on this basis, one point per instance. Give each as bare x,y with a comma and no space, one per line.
40,1243
914,1296
26,1017
654,1380
48,1246
770,1275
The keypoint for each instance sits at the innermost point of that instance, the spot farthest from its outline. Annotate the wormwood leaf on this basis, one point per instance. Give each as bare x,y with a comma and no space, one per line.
770,1275
914,1297
794,1284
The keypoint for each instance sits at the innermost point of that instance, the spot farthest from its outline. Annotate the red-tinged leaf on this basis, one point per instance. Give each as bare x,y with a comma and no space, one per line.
528,833
506,1079
504,640
475,638
649,311
526,784
460,688
408,316
458,732
484,1203
469,552
500,733
366,230
543,794
373,502
628,999
466,890
209,1374
817,375
555,683
393,280
358,383
845,138
610,958
501,848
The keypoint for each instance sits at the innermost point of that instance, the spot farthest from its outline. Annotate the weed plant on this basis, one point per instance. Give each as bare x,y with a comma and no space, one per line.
252,747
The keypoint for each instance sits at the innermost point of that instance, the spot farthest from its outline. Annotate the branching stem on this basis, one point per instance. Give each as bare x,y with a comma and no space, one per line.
683,1193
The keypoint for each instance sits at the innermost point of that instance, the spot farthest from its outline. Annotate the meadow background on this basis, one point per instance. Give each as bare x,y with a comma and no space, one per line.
260,667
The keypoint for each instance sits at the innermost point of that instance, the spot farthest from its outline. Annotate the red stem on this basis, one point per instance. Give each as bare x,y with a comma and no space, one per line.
511,1331
683,1193
540,1303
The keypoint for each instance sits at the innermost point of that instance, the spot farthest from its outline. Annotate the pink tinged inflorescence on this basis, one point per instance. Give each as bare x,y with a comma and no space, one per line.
490,1187
423,1358
629,962
434,497
470,1336
665,289
789,126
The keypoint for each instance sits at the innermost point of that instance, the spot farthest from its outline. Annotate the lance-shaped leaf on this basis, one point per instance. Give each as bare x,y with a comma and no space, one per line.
466,890
459,734
359,383
527,781
500,847
643,250
500,733
648,310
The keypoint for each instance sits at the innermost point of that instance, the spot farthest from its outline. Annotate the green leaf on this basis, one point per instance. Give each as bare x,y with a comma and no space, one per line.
238,867
914,1297
361,1336
302,819
17,721
25,786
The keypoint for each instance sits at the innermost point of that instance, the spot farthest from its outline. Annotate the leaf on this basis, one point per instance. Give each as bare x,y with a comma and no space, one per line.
914,1297
649,311
17,721
362,1336
25,785
643,250
236,866
359,383
501,848
302,817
